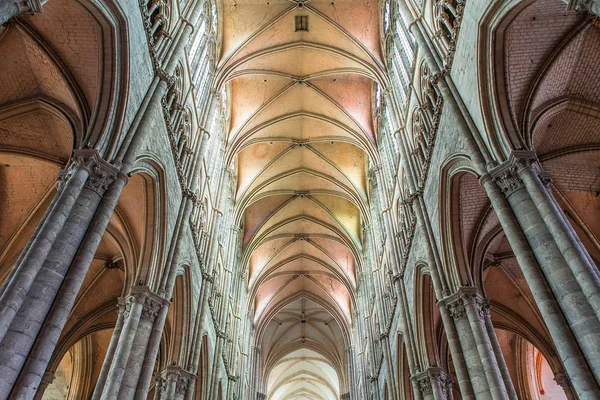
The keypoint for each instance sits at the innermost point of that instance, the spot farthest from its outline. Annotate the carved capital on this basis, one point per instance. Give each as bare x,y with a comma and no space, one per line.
466,296
424,385
124,304
102,173
591,6
507,179
455,306
178,377
434,378
151,302
507,175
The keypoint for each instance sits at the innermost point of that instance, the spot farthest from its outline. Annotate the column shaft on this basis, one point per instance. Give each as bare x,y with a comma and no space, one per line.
151,354
464,383
54,323
27,322
110,352
484,348
510,388
119,363
15,291
566,346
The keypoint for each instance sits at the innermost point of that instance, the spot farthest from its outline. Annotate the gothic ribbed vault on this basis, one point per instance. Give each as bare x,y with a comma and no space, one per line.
301,136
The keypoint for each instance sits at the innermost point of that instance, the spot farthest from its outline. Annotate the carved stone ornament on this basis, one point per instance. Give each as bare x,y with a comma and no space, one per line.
161,385
424,385
484,308
455,306
178,377
507,177
151,302
124,305
101,173
466,296
591,6
433,378
31,6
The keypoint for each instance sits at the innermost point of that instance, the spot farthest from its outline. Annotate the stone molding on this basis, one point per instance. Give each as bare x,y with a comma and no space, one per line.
47,379
591,6
562,380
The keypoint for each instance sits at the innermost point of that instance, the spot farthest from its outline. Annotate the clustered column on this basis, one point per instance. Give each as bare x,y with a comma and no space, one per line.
478,343
41,289
563,271
140,310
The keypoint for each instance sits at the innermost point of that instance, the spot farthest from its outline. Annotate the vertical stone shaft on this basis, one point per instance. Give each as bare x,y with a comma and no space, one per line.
153,347
136,358
132,313
27,323
481,388
25,273
566,346
575,306
47,213
61,308
576,256
464,383
46,381
510,388
484,347
110,353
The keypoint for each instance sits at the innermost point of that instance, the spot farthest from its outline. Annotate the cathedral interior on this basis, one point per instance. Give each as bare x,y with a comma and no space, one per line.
300,199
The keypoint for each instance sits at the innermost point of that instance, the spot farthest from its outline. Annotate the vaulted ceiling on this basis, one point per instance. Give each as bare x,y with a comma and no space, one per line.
301,136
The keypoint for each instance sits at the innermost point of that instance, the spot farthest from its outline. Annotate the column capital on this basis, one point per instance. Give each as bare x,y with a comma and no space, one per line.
456,302
591,6
151,302
175,375
506,175
31,6
432,378
101,172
